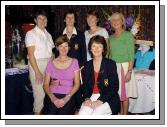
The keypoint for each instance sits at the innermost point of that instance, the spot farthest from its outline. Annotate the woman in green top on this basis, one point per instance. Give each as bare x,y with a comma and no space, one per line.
122,51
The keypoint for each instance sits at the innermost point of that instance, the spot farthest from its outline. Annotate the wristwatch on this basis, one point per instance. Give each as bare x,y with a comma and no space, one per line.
130,71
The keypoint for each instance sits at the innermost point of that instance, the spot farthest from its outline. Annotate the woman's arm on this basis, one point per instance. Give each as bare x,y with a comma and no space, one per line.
75,88
46,88
38,74
131,63
129,72
131,53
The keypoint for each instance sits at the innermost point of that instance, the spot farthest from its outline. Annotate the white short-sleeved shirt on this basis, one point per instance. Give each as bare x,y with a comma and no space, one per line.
102,32
42,41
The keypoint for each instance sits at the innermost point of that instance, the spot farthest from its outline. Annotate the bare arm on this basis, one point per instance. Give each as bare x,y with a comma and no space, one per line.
32,59
76,83
75,88
38,74
130,65
128,74
57,102
46,87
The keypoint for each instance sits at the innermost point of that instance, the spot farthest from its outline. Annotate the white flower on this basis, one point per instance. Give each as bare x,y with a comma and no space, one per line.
13,37
135,29
16,36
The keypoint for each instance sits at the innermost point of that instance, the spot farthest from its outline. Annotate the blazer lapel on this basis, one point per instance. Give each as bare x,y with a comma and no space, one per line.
91,74
101,72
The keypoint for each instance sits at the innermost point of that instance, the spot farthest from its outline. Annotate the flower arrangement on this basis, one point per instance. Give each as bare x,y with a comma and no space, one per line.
16,45
107,24
16,35
132,23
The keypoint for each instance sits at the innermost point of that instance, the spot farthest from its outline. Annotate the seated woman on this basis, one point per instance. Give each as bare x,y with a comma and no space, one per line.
145,58
61,82
100,81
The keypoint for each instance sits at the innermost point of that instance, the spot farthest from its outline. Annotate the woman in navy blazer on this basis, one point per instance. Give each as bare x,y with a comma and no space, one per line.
100,81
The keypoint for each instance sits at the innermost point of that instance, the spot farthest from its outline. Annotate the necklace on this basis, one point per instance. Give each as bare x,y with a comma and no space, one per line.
63,61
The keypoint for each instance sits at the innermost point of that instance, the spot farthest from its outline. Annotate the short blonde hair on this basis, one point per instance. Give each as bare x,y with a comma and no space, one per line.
121,16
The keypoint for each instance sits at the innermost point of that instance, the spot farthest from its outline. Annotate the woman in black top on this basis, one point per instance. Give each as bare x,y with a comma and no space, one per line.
100,81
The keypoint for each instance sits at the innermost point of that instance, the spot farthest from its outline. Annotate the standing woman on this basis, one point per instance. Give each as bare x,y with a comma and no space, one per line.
122,51
100,81
61,81
77,39
94,29
39,44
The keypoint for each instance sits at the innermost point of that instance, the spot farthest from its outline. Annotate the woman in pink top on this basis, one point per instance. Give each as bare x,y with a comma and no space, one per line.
61,81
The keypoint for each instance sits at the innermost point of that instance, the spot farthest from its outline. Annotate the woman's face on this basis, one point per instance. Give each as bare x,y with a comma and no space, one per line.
70,19
116,22
97,49
63,49
92,20
41,21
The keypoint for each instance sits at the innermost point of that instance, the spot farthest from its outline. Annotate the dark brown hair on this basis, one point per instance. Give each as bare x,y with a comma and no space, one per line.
40,12
71,11
98,40
94,13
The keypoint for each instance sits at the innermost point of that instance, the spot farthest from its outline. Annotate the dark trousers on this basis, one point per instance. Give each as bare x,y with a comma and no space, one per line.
51,109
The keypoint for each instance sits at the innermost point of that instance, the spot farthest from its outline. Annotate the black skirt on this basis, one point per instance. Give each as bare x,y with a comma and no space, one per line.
51,109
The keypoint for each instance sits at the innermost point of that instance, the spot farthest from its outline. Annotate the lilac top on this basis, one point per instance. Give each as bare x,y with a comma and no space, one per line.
64,77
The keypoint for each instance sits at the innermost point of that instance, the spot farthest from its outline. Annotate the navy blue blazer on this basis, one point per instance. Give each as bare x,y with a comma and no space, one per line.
108,83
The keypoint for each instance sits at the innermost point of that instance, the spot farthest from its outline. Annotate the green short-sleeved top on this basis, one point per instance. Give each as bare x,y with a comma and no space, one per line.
122,47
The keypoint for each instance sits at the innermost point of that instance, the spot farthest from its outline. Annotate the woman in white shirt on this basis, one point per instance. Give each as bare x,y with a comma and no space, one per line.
39,45
94,29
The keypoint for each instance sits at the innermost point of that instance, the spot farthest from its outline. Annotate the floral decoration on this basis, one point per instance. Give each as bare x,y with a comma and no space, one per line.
132,22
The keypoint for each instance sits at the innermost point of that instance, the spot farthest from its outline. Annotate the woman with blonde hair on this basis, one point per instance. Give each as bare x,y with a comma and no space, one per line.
122,51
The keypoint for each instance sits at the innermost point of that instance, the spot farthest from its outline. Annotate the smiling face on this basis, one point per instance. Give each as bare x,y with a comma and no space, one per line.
117,21
63,49
92,20
70,19
97,49
41,21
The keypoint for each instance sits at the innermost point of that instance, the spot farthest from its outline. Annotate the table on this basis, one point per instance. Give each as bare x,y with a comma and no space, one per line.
146,94
18,92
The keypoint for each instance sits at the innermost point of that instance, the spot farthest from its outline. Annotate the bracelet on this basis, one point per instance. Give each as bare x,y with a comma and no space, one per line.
130,71
68,95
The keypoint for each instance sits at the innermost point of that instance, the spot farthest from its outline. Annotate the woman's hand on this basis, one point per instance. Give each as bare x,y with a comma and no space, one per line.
67,98
52,98
128,77
88,103
59,103
96,104
38,77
